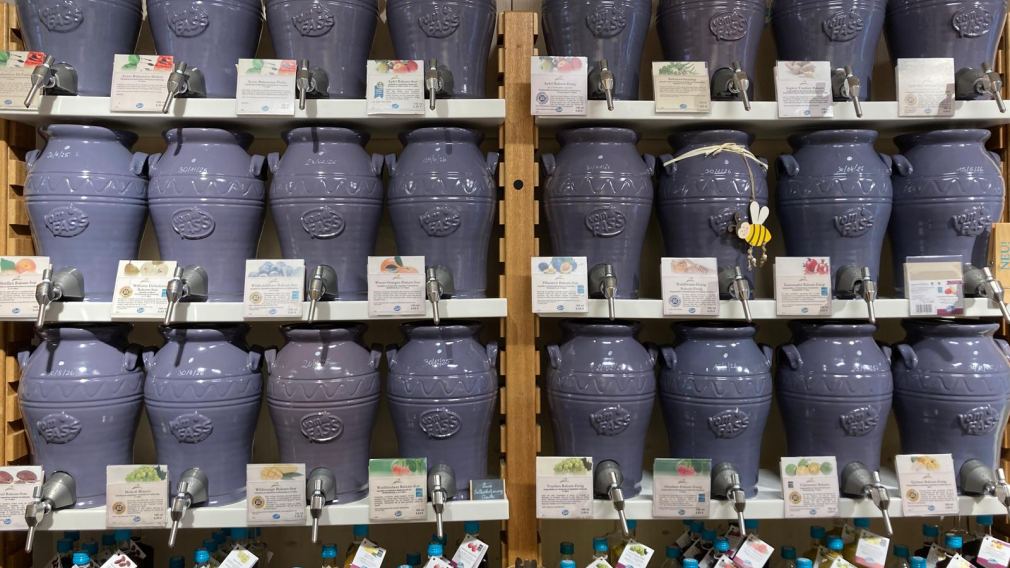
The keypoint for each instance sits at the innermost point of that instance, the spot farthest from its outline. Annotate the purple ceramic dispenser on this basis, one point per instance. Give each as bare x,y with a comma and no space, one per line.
610,34
600,387
715,387
452,37
326,198
80,38
81,393
705,189
206,198
323,395
598,201
725,33
203,397
87,202
834,199
844,32
441,387
834,386
966,30
952,395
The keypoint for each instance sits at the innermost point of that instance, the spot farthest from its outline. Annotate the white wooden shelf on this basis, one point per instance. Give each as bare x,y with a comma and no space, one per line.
211,312
485,114
886,308
763,121
768,503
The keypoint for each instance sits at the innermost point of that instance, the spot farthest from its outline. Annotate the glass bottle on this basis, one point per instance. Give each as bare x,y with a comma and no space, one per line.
65,550
817,535
437,551
851,538
720,548
107,549
834,551
413,559
568,564
983,528
788,557
804,563
201,558
124,544
177,562
240,537
900,557
329,555
917,562
952,544
600,548
567,551
81,559
930,533
360,533
705,545
618,544
211,545
471,530
690,563
673,555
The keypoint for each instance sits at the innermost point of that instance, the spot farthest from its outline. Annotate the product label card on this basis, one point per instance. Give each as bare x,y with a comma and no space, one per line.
240,558
470,552
564,487
803,89
753,553
681,488
803,286
141,289
690,286
275,494
437,563
599,563
925,86
140,82
266,87
926,481
119,560
871,549
810,486
368,555
136,496
681,86
560,85
635,555
935,552
487,489
16,69
17,490
560,284
957,561
394,86
934,286
398,489
396,286
993,553
19,275
273,288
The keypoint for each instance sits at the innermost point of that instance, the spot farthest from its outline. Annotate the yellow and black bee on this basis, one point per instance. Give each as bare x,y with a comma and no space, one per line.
755,233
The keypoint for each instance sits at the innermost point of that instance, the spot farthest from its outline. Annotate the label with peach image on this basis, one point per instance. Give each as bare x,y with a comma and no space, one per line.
690,286
17,485
18,277
396,286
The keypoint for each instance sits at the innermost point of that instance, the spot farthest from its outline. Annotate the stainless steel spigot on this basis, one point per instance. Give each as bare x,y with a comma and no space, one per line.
607,480
849,89
42,76
726,484
856,282
303,82
321,487
44,296
59,491
992,84
187,283
441,489
432,82
177,80
607,83
976,478
859,482
322,286
64,285
980,282
740,84
739,289
191,491
868,288
603,283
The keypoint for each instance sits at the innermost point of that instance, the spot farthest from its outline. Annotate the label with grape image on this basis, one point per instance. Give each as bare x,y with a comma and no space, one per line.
136,496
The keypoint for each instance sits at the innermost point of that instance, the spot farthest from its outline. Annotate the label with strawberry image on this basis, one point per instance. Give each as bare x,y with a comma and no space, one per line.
16,69
752,553
559,85
394,86
139,82
17,485
18,277
810,486
275,494
266,87
398,489
927,484
682,488
470,552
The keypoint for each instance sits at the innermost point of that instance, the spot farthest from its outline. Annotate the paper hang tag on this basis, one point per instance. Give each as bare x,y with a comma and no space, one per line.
368,555
599,563
559,85
560,284
935,552
803,89
470,552
684,540
134,550
140,289
239,558
724,562
564,487
396,286
19,275
993,553
871,550
119,560
753,553
395,86
273,288
17,488
139,82
681,489
681,87
635,555
927,484
958,561
690,286
16,68
266,87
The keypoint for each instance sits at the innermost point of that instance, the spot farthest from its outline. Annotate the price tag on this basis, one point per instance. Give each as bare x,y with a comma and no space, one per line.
137,496
470,552
871,550
18,277
239,558
17,488
394,86
753,553
635,555
275,494
934,285
993,553
273,288
803,286
141,288
16,69
560,284
487,489
368,555
396,286
564,487
681,488
927,484
140,82
560,85
810,486
803,89
925,86
398,489
690,286
266,87
681,86
119,560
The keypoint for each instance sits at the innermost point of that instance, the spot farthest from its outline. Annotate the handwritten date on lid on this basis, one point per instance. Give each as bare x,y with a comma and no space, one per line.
729,423
440,423
189,22
61,16
610,421
979,420
859,421
58,428
843,25
607,21
66,221
191,428
314,22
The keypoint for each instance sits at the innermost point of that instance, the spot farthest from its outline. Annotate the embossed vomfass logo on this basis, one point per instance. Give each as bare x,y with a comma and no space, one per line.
979,420
192,223
854,223
605,222
440,423
58,428
607,21
610,421
323,222
191,428
61,16
66,221
728,423
440,221
843,25
722,221
321,426
190,22
972,21
728,26
971,222
440,22
859,421
314,22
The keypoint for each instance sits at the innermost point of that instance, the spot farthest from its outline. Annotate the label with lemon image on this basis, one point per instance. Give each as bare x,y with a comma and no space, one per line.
926,484
275,494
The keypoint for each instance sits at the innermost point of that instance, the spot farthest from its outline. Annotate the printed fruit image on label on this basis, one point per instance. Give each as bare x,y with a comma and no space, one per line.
605,222
729,423
728,26
321,426
441,22
610,421
440,423
440,221
859,421
66,221
607,21
323,222
979,420
972,222
315,22
843,25
190,22
192,223
855,222
191,428
972,21
58,428
61,16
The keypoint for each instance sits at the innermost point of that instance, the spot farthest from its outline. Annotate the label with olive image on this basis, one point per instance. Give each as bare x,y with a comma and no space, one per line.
136,496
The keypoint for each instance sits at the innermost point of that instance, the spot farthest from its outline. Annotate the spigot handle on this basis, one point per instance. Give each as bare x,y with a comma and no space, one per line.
995,86
302,85
315,530
741,289
172,534
176,84
432,82
623,518
30,539
883,502
173,292
41,77
740,84
607,84
43,295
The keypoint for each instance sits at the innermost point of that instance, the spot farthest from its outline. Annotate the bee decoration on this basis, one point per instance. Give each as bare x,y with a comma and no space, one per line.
755,234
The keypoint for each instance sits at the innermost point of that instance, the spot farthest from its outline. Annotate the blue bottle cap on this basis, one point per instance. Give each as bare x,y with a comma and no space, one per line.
804,563
632,524
835,543
901,551
789,553
929,530
861,523
201,556
673,551
122,535
708,535
404,566
72,535
568,548
818,532
176,562
600,544
210,544
918,562
690,563
471,527
567,564
722,544
239,533
81,559
219,536
360,531
953,541
108,539
414,558
984,520
750,524
64,545
329,551
697,526
91,547
434,550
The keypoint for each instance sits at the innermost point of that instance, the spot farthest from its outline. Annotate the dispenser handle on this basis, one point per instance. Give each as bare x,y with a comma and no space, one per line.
888,161
31,157
669,166
650,163
901,165
792,355
653,351
132,357
492,353
491,163
148,357
1004,347
788,165
887,351
769,352
549,163
270,356
138,163
669,357
274,161
907,355
996,158
554,354
391,163
375,358
391,351
23,356
378,160
257,166
152,162
256,356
